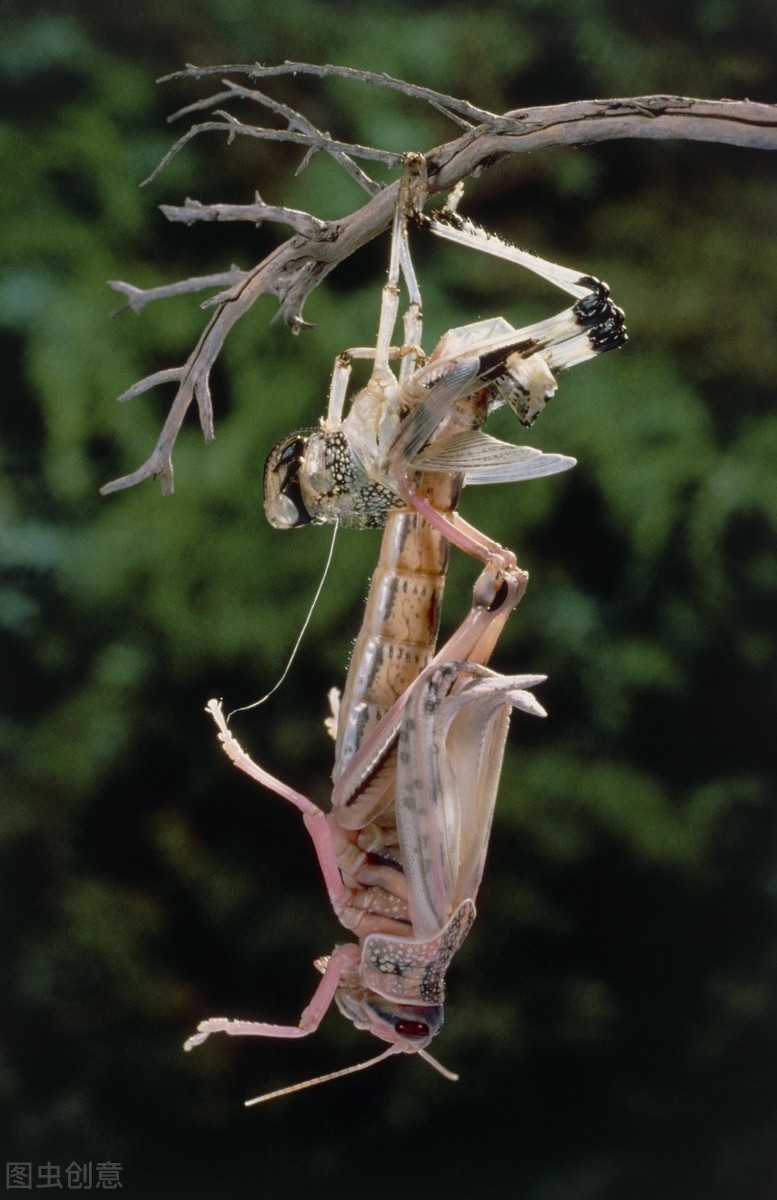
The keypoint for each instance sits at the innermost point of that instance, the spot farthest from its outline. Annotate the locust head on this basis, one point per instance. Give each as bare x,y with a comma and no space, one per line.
315,476
409,1027
284,502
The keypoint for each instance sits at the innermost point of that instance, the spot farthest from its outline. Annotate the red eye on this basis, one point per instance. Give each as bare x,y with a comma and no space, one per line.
411,1029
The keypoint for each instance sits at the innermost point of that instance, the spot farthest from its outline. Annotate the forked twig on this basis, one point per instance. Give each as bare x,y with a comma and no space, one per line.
138,298
414,91
257,213
293,270
315,141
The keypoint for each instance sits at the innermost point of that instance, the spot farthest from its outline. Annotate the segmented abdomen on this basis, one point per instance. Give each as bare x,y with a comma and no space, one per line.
401,620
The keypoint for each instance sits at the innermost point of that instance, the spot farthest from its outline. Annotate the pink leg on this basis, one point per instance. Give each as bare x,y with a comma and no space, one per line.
456,530
343,958
313,817
495,595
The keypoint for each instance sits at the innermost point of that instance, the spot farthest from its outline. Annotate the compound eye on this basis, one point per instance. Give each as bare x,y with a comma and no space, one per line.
283,502
413,1030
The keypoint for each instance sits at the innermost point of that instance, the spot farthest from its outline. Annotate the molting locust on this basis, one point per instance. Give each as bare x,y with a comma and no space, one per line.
419,735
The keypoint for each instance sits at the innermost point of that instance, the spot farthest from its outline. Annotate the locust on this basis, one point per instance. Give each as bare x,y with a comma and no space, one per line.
420,732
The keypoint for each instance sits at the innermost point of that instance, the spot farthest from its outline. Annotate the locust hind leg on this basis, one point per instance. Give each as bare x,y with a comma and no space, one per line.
313,817
448,224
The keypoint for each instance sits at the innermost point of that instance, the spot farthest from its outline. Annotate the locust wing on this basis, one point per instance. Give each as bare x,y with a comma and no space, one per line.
485,459
451,745
438,396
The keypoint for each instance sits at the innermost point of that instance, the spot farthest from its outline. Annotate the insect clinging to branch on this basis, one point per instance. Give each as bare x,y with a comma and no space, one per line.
420,735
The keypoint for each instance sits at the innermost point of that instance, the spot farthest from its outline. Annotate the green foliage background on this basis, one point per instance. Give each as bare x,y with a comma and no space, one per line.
613,1013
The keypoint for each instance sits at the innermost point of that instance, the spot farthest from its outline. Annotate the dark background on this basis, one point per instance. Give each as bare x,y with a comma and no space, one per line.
612,1015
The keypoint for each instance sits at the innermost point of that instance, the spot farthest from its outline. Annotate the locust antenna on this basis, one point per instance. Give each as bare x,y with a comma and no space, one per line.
370,1062
300,636
308,1083
451,1076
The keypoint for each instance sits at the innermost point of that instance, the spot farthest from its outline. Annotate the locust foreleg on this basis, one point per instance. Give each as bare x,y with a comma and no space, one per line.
342,959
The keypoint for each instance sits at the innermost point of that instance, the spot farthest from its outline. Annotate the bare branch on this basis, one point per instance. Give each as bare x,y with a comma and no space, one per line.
171,375
301,123
295,119
138,298
294,269
257,71
256,213
318,141
735,122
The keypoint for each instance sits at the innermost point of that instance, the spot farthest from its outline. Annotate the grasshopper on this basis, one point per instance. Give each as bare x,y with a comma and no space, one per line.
420,735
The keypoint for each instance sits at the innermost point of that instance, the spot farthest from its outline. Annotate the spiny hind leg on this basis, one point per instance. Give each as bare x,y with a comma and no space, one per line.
314,818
